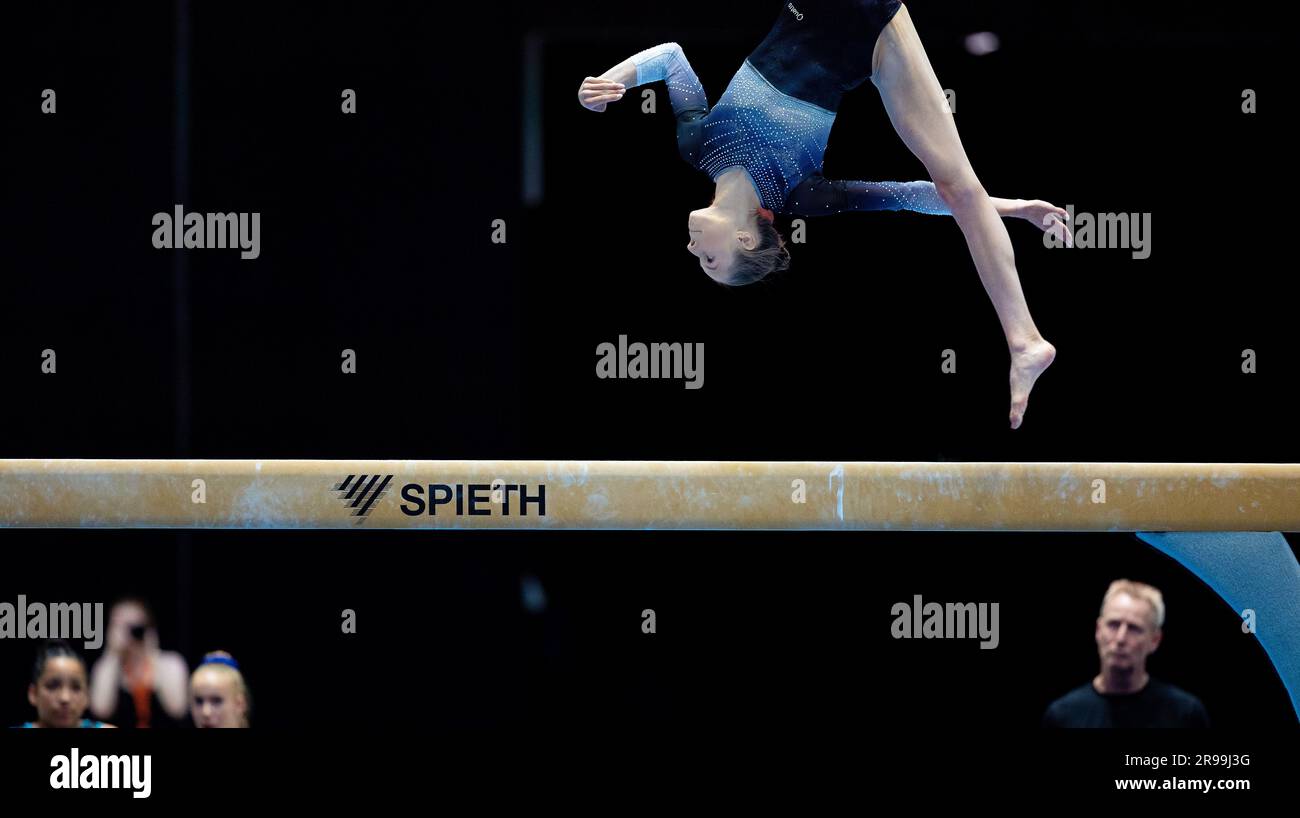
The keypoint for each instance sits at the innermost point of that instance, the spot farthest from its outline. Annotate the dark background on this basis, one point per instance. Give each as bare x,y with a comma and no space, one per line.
762,630
375,237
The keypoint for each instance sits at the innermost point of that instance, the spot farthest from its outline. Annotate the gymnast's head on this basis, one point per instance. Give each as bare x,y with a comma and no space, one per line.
735,250
59,689
218,695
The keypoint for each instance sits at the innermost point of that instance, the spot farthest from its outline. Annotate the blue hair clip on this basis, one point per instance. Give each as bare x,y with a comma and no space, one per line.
219,660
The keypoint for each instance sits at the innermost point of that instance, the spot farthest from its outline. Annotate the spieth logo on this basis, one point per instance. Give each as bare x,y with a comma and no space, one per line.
361,492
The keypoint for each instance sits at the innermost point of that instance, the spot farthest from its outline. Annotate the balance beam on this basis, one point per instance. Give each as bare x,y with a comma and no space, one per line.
606,494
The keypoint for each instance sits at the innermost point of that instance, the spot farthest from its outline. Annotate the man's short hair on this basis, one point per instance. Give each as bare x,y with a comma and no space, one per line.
1138,590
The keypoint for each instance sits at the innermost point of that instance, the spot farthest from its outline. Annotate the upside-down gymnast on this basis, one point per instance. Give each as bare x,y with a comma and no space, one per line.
763,145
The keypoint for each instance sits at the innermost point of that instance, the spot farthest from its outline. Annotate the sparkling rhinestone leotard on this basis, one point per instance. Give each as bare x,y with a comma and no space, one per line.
779,139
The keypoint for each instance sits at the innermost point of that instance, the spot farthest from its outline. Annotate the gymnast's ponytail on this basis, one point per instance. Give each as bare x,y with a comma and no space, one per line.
770,256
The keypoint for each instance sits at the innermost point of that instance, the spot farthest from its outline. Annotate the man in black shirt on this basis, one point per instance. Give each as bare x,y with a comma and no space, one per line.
1123,694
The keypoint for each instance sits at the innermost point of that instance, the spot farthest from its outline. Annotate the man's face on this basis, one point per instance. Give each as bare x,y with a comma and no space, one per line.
1126,634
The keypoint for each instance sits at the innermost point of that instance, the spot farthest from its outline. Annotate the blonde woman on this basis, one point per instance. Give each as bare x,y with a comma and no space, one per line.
218,695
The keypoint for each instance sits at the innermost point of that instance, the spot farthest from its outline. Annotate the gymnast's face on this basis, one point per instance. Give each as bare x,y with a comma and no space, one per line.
1126,634
715,239
216,699
60,696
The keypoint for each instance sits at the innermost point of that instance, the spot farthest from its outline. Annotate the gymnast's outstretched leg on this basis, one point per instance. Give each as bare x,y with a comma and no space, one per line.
919,112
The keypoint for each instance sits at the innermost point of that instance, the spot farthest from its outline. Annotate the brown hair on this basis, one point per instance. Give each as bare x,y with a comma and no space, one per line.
770,256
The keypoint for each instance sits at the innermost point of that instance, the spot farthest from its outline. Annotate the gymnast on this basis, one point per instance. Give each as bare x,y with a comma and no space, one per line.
763,145
218,695
59,689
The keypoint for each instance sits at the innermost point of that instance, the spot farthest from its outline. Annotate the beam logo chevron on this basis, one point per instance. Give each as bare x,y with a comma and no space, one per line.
359,493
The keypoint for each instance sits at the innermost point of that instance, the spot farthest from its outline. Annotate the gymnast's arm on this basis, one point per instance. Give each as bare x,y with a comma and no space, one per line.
819,196
665,62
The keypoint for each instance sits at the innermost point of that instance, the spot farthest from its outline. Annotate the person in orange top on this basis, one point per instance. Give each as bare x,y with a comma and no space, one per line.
136,684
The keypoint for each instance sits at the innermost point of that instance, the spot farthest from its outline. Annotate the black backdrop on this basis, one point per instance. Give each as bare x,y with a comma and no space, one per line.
776,628
375,237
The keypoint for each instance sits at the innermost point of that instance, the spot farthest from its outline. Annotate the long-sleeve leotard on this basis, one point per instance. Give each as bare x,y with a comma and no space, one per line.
778,139
668,62
819,196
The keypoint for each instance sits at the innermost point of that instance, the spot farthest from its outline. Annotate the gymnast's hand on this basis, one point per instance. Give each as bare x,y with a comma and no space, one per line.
595,93
1047,217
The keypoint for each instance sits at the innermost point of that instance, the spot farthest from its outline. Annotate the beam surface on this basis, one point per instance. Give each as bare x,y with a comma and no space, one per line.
607,494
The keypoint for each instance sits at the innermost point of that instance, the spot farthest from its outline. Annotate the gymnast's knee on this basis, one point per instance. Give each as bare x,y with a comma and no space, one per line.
960,191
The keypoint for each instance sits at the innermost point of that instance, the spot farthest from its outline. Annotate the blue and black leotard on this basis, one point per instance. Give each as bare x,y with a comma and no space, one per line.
775,117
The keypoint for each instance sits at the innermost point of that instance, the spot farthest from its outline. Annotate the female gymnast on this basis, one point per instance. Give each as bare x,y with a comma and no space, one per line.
59,690
218,695
763,145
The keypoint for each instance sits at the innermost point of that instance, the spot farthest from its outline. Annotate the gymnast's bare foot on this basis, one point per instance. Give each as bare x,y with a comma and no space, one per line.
1028,361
